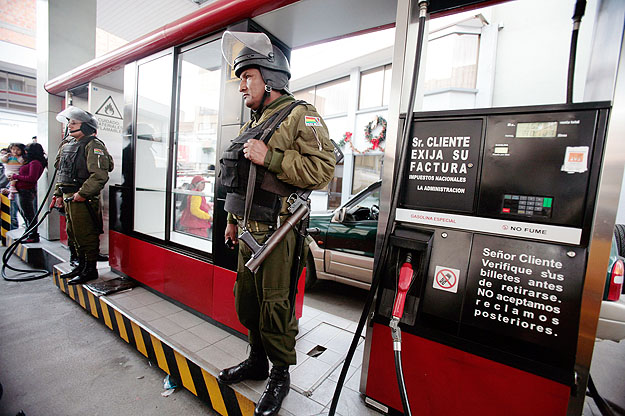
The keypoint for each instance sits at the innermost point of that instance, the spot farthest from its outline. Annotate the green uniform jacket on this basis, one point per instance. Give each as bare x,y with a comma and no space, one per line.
300,152
99,164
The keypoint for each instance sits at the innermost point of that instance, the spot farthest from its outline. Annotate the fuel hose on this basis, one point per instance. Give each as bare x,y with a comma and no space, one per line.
394,198
25,275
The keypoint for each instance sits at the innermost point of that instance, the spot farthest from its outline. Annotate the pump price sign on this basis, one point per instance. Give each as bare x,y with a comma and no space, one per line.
442,165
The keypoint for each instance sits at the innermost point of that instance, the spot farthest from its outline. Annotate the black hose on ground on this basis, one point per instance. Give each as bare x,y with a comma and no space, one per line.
31,274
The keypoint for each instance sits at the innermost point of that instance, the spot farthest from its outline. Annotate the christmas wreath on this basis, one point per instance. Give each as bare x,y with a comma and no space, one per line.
375,141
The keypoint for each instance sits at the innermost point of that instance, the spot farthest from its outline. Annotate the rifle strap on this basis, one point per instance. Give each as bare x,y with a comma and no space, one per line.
267,133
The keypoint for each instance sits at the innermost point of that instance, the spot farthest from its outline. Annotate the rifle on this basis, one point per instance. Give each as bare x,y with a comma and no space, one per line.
299,210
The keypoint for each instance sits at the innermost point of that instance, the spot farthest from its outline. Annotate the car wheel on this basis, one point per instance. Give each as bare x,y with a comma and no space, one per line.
311,274
619,233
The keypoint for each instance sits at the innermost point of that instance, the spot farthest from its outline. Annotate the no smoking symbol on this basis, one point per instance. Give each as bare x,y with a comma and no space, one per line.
446,278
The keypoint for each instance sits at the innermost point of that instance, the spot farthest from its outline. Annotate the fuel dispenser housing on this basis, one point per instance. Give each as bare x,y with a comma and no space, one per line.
498,204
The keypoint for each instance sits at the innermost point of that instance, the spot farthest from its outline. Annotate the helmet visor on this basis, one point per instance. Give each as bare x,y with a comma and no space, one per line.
75,113
233,42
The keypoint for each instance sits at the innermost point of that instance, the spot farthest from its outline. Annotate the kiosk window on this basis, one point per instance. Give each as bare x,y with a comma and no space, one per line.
199,85
152,145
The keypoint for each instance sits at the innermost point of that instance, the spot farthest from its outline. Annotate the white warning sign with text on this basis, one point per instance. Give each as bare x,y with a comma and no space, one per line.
446,278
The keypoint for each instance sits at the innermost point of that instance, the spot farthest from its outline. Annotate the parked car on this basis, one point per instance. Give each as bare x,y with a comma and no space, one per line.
343,251
345,244
612,317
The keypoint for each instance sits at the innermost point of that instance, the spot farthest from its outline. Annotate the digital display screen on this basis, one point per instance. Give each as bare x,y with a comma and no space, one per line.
537,129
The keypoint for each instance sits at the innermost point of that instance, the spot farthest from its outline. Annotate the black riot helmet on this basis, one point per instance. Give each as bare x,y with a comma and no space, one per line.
89,124
245,49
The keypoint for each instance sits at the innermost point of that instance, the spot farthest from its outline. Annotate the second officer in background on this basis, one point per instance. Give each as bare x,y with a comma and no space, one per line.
84,164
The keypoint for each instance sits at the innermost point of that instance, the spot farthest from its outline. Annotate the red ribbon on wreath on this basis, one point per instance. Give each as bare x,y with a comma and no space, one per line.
374,141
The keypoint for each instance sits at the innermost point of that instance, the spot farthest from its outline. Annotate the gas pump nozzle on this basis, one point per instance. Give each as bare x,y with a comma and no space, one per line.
405,279
406,274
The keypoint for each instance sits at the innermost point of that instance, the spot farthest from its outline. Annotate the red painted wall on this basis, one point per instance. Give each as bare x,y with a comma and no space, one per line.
195,283
441,380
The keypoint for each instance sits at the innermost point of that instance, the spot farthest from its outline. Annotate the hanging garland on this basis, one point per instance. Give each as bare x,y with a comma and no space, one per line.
375,141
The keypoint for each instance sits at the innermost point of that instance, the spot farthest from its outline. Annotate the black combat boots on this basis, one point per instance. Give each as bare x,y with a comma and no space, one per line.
76,270
276,390
73,256
88,273
256,367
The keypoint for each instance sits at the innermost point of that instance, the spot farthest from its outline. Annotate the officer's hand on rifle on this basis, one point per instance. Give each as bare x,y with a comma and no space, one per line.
231,234
78,198
255,150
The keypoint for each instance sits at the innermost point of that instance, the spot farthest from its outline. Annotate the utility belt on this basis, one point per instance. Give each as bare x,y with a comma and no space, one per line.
257,226
69,189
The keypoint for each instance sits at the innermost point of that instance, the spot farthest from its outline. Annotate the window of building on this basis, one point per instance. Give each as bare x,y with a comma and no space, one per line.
367,169
330,98
452,62
18,92
375,87
152,145
199,84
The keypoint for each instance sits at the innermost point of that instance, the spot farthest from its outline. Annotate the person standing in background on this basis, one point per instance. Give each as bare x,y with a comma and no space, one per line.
197,214
26,184
12,162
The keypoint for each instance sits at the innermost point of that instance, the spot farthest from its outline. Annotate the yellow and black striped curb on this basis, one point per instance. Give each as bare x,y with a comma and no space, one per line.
5,217
221,398
21,250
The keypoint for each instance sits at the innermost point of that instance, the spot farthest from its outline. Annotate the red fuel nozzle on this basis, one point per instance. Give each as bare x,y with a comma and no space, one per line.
406,275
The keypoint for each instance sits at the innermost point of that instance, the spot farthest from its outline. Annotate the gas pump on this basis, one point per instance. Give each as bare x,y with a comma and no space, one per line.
495,208
487,244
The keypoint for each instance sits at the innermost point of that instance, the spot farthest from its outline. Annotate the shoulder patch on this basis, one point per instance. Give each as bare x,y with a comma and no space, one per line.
98,152
311,121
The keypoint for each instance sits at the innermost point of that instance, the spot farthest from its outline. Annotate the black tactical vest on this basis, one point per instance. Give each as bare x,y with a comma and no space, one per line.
266,203
73,164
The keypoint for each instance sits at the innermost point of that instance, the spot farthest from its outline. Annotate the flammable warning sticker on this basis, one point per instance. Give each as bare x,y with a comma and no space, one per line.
312,121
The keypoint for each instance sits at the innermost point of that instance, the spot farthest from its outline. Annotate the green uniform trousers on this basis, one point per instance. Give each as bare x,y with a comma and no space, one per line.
262,300
81,227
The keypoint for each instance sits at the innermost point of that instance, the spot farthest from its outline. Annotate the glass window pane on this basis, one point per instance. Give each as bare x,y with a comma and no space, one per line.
388,69
153,110
197,126
367,169
331,98
16,83
371,85
307,95
452,62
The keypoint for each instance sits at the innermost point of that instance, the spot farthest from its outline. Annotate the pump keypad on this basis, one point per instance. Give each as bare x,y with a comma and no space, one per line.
527,205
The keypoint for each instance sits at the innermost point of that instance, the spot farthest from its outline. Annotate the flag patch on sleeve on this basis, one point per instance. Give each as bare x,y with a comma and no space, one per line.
98,152
312,121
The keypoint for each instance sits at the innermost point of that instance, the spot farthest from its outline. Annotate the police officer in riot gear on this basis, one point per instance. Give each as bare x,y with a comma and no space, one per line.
83,164
297,155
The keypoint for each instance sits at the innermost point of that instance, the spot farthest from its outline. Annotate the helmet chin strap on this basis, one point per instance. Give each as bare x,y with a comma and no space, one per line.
268,90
